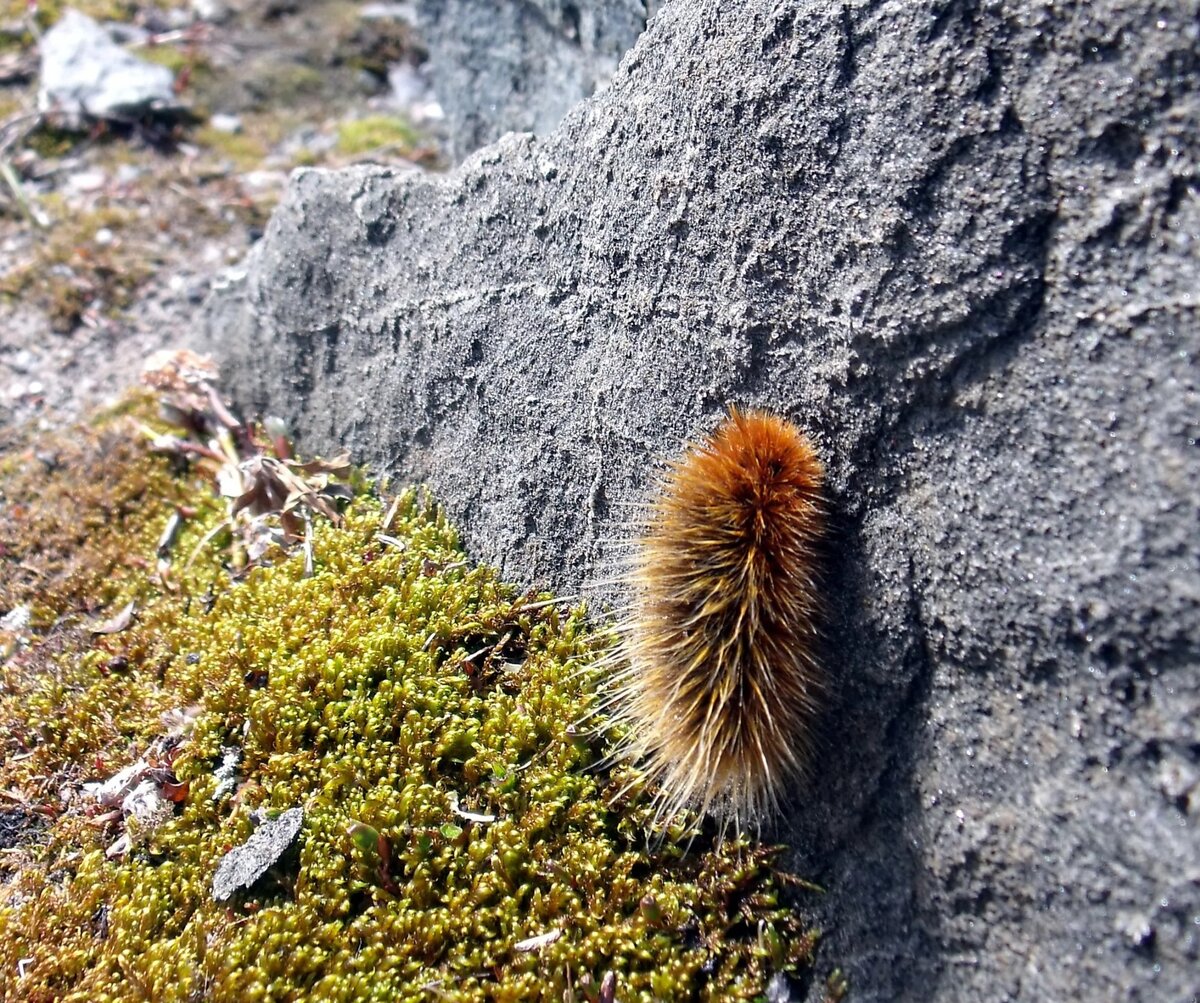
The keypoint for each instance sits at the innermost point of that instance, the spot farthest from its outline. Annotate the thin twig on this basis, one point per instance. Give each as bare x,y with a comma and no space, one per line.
530,607
35,216
34,118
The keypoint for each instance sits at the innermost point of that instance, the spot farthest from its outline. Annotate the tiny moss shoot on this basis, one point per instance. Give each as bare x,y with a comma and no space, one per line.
376,133
460,840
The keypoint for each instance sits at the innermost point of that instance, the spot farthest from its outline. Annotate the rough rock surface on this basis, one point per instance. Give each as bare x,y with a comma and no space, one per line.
957,242
522,66
85,73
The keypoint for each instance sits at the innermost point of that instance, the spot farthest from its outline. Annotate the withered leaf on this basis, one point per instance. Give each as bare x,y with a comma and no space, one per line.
538,942
117,623
173,791
339,466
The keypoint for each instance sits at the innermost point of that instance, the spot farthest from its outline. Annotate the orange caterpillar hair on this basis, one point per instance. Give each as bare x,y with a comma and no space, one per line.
720,678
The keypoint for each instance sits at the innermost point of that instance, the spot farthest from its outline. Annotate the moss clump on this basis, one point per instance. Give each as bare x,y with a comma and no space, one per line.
9,105
49,11
72,269
20,30
284,83
397,692
79,517
247,150
192,68
50,141
376,133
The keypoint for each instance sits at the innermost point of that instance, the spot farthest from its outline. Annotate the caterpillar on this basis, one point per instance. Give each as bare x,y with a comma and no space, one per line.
719,680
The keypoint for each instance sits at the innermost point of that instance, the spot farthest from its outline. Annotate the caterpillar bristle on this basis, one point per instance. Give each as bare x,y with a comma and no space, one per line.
719,681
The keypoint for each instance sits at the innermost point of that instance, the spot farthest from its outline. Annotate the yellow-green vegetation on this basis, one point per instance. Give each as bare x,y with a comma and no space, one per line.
49,11
20,30
181,60
97,254
245,149
52,141
81,260
837,986
461,839
284,83
79,516
376,133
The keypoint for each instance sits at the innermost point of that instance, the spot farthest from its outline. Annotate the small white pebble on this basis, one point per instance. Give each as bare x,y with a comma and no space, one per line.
229,124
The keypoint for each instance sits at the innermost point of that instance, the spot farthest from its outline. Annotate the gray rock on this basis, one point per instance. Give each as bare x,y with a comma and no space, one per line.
242,866
405,12
409,91
86,74
957,243
521,66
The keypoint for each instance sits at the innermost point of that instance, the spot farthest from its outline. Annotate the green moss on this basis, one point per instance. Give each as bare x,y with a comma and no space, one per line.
375,133
192,69
388,693
16,12
14,16
49,141
79,514
70,271
836,986
283,83
49,11
246,149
